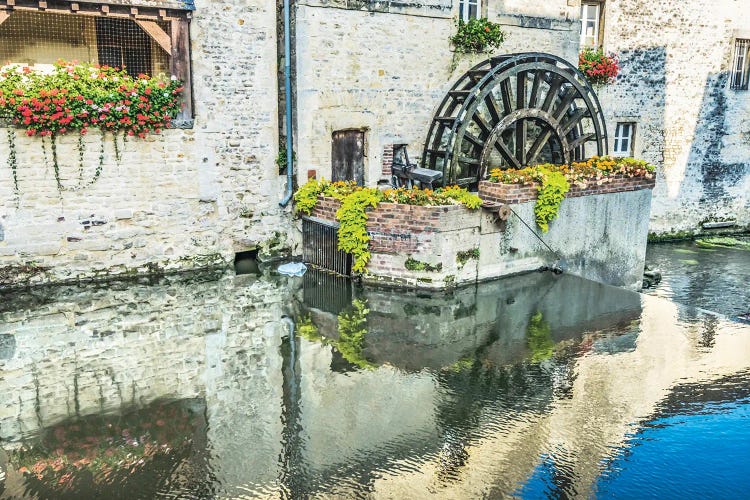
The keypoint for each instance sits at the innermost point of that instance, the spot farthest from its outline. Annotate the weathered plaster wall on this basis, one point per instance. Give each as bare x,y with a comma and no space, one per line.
674,84
209,191
385,67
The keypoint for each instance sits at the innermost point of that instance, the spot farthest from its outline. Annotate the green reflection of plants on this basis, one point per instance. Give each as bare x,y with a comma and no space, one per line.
539,339
352,330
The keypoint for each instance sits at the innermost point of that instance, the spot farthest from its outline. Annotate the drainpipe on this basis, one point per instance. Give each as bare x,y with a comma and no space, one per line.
288,104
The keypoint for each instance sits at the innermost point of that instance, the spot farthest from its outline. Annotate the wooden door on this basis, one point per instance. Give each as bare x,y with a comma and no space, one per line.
348,156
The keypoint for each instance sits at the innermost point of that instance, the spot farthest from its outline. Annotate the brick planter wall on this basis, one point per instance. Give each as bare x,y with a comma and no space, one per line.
514,193
442,237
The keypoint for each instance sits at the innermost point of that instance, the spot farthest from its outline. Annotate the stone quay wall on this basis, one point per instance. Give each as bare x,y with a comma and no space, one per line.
179,200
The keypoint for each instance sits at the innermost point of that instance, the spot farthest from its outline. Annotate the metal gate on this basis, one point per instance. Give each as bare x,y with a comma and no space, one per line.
320,246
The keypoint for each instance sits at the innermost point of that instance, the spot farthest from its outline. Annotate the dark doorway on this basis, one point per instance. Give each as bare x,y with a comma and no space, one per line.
348,156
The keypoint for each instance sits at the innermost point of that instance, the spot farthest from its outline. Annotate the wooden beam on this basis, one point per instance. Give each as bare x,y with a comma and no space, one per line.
180,63
157,34
4,15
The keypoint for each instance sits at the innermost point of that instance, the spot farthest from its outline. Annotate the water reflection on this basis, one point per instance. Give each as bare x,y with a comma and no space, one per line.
534,385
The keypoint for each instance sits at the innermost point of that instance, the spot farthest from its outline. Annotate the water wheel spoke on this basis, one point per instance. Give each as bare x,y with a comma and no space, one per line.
489,100
507,94
572,146
573,120
521,90
476,141
539,143
535,87
567,99
521,141
506,154
483,126
551,96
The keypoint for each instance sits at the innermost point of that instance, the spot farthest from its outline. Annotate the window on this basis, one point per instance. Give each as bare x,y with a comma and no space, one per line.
591,16
740,65
624,137
469,9
141,39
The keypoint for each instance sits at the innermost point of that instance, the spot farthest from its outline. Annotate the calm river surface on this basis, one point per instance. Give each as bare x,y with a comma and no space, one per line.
537,386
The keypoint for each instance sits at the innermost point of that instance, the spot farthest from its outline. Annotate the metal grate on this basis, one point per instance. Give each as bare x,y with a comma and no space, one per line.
741,65
326,291
39,39
320,246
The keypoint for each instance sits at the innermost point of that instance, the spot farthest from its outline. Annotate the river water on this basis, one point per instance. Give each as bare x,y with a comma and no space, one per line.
216,386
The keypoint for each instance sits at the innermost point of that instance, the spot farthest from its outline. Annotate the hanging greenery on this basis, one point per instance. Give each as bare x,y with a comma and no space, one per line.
73,98
12,158
477,35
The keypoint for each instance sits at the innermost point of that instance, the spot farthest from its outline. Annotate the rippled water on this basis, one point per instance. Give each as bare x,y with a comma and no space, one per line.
712,278
534,386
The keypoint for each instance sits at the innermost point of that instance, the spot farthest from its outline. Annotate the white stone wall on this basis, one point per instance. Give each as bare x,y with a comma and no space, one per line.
209,191
386,70
674,85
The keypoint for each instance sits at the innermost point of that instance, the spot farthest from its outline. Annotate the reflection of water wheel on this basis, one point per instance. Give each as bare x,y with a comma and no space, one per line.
511,111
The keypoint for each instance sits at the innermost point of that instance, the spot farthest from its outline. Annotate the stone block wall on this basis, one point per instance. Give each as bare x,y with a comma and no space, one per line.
180,199
386,66
675,59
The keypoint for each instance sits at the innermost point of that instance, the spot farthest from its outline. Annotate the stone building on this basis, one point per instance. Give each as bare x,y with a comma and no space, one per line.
378,70
366,75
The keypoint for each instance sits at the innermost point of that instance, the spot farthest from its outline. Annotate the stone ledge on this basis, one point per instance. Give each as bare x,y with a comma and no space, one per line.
514,193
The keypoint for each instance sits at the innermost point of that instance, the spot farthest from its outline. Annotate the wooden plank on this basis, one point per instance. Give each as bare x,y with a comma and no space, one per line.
180,63
157,34
3,16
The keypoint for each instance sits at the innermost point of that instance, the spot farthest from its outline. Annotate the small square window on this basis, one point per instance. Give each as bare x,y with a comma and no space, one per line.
624,138
591,15
469,9
740,65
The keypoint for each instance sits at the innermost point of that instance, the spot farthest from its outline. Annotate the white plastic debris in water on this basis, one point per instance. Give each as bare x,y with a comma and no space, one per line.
292,269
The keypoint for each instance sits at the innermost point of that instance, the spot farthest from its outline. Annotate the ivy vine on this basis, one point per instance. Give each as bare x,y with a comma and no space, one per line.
13,158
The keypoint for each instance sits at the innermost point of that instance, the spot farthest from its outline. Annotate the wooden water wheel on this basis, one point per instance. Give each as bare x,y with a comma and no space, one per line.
512,111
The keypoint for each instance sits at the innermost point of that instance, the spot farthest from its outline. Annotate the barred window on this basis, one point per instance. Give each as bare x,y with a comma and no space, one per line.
740,65
142,40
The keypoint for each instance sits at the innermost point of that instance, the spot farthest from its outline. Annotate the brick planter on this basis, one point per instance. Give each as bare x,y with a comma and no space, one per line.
514,193
602,237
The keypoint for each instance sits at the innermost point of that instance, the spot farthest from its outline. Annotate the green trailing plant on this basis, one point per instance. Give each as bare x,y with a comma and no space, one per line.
306,197
477,35
281,159
551,194
417,265
539,339
352,216
13,158
352,326
465,256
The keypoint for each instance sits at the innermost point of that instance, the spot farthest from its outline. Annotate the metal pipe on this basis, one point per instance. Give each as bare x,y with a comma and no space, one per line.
288,104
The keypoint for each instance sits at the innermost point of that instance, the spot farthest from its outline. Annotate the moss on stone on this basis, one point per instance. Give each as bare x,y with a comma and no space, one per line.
417,265
465,256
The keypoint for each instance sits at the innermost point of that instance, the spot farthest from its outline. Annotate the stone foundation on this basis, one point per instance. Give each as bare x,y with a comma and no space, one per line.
600,234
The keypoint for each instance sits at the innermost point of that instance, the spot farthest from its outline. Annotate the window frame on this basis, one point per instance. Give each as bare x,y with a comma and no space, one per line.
176,42
463,9
618,138
598,27
742,59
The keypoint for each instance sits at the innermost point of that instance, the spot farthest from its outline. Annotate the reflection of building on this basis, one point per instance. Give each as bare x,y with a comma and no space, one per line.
461,393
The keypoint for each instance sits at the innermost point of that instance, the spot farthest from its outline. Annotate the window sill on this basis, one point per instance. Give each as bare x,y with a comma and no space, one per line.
180,124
